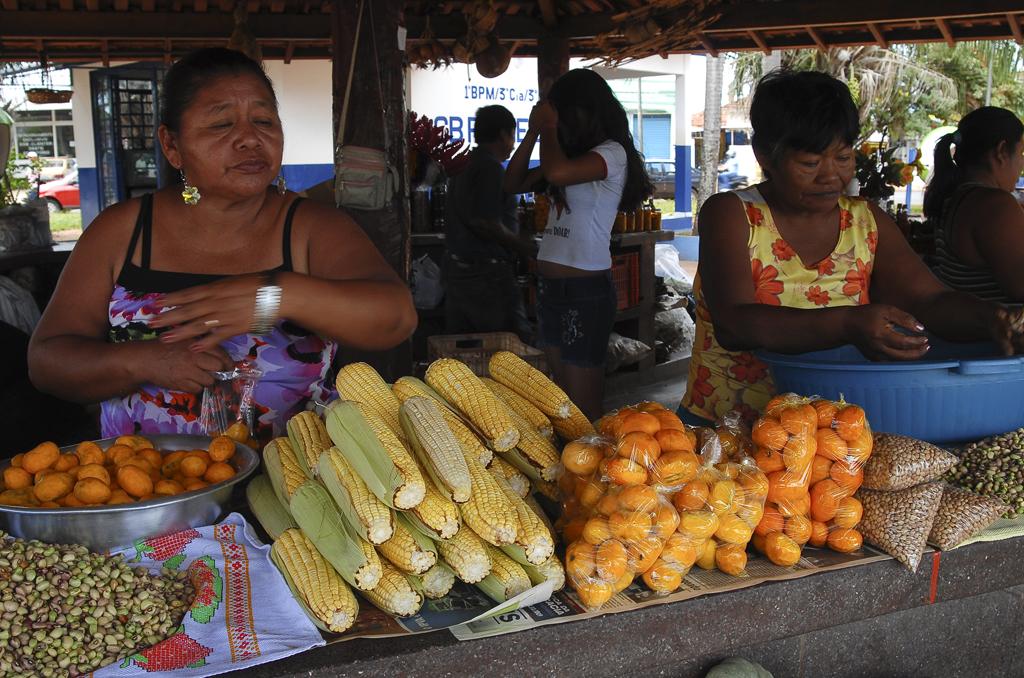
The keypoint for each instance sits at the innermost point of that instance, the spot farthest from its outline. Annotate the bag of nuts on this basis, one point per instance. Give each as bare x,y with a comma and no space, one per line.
899,522
962,514
898,462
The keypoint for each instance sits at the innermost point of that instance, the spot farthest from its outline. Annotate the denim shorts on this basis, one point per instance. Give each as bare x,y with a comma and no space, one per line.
576,315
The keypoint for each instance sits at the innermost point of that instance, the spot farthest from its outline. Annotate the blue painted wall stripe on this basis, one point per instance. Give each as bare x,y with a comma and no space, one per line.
684,185
89,193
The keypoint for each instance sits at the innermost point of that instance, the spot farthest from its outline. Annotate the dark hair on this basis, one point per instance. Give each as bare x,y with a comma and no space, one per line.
588,115
801,111
491,121
978,134
194,71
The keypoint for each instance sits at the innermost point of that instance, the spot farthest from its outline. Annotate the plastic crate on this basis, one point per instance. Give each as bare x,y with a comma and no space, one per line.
962,392
626,277
476,349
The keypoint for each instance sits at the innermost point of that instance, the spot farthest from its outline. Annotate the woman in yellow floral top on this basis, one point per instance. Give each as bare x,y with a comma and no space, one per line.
792,265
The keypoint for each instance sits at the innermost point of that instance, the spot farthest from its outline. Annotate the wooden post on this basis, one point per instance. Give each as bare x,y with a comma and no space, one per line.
379,74
552,59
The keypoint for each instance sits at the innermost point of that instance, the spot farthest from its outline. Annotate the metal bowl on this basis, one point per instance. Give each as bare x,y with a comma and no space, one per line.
105,527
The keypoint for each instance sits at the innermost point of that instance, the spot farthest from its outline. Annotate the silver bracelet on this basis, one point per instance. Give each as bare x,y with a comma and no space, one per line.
268,303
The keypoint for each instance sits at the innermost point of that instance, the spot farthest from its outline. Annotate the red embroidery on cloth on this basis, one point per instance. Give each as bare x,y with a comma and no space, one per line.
241,627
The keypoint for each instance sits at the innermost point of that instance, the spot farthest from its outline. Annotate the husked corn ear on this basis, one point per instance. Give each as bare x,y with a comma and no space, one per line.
507,578
321,590
438,513
467,554
437,581
521,406
550,570
531,501
361,383
510,370
407,551
411,492
575,426
407,387
354,438
283,469
457,384
267,508
537,452
533,537
436,447
308,436
519,483
394,593
369,574
489,512
371,518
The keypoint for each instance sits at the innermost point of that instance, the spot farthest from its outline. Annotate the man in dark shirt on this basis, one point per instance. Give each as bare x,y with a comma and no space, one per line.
482,236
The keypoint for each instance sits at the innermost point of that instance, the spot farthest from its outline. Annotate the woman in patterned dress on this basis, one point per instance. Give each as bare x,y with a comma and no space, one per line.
793,265
164,290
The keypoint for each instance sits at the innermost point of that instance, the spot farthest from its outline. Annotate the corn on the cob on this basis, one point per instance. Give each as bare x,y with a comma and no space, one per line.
436,447
538,450
355,439
394,593
353,558
489,512
361,383
437,515
324,595
519,483
467,554
512,371
267,508
408,387
523,407
575,426
308,436
531,501
457,384
437,581
408,550
550,570
367,514
549,490
411,492
507,578
533,542
283,469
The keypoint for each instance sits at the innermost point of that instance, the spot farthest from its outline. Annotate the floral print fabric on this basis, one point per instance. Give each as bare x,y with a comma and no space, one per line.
722,380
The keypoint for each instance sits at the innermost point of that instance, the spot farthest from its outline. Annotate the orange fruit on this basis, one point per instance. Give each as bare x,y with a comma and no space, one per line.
65,462
771,521
625,472
859,449
572,531
641,422
588,492
820,467
800,420
642,553
681,550
850,422
777,403
730,469
669,420
581,458
781,550
630,525
16,478
641,498
758,542
751,512
845,540
754,481
698,524
826,411
675,468
610,560
608,505
830,445
798,528
639,447
724,497
666,521
819,533
825,498
769,461
729,441
594,594
663,577
847,477
604,425
706,558
787,486
155,459
567,482
848,513
731,559
674,440
734,530
580,561
623,582
769,434
596,531
693,496
650,406
801,506
94,471
799,452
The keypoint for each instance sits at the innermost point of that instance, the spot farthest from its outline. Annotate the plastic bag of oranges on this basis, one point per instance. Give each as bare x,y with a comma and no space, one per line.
813,452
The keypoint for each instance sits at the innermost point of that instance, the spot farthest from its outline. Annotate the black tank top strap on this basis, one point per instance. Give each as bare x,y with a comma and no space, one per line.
286,238
143,226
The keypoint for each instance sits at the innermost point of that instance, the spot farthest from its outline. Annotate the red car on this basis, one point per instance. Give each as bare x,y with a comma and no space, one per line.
61,194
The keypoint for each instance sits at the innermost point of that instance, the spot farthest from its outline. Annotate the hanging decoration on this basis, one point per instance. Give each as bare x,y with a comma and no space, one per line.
433,143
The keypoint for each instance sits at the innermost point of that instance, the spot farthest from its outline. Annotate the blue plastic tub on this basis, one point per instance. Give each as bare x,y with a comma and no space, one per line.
940,399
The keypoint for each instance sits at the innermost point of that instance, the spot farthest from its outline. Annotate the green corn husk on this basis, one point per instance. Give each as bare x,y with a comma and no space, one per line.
507,578
268,509
342,497
550,570
355,439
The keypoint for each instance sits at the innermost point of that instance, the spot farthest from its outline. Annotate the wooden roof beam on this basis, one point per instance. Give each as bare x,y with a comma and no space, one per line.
142,26
946,33
816,37
879,36
547,13
11,5
67,5
199,5
759,41
1014,21
289,52
707,45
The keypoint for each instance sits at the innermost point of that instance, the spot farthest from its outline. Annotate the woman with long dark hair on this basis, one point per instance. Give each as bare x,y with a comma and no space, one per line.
593,169
979,225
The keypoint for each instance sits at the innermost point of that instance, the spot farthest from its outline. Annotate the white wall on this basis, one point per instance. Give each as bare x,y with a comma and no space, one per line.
304,97
81,116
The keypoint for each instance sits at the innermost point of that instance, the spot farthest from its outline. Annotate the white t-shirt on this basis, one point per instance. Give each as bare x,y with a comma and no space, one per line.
580,238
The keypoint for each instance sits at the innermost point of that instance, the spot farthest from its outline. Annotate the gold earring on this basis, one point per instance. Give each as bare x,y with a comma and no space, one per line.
190,194
282,185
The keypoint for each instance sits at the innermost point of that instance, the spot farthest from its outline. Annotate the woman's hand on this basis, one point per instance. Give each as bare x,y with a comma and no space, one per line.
543,117
1007,329
885,332
213,312
179,368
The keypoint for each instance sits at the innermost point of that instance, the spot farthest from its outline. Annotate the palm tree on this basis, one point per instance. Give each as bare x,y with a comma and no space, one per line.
710,147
